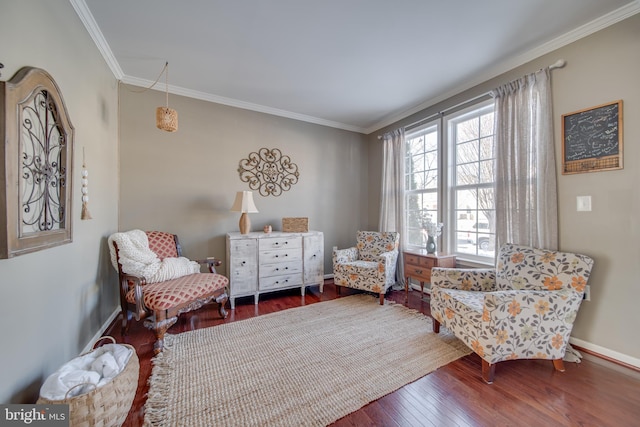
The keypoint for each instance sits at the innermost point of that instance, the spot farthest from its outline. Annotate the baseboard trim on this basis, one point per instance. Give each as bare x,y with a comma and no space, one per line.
101,331
606,354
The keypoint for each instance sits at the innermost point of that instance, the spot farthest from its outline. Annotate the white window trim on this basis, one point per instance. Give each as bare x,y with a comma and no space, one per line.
447,142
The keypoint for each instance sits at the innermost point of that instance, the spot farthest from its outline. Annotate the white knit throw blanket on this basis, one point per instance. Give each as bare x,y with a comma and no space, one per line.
136,258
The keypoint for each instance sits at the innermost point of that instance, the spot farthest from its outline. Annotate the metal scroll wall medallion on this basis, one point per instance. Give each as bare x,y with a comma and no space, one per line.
268,171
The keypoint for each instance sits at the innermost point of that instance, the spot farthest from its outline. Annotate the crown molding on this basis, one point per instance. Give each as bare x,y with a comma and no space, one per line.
83,12
598,24
203,96
516,61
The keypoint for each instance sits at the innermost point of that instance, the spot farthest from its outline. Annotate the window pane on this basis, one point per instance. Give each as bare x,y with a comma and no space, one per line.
486,200
467,174
431,160
411,181
431,180
420,207
467,152
417,162
467,130
486,148
466,200
431,203
486,124
431,141
486,172
415,145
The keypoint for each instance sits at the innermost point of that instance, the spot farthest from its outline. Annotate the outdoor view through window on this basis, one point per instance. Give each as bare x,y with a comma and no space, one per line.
450,178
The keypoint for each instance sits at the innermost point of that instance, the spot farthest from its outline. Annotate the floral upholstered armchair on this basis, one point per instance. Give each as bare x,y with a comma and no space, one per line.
370,265
522,309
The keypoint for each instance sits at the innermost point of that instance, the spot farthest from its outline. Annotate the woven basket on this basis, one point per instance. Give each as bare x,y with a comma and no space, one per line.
107,405
295,225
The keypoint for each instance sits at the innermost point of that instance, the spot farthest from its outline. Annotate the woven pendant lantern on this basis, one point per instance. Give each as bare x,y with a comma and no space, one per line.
167,118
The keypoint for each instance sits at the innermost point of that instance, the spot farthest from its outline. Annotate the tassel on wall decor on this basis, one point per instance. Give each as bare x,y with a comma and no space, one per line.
85,190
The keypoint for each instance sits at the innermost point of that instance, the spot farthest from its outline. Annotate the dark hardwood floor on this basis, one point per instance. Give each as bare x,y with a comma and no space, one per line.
525,393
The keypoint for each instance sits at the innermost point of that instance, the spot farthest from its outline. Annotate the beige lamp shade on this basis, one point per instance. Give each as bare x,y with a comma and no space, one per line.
244,203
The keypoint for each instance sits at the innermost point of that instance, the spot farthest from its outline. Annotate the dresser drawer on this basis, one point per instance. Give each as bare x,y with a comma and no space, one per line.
290,267
282,281
243,279
411,259
279,243
417,272
243,248
419,260
280,255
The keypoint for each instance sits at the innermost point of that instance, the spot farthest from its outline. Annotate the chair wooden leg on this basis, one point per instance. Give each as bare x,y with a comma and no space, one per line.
558,364
160,325
381,298
488,371
222,301
126,316
436,325
338,289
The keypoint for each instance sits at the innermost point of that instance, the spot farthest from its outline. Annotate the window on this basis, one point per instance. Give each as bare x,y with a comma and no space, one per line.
472,180
421,182
450,179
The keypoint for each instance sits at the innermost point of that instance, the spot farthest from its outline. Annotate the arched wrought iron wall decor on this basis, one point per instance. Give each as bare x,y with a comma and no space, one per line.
268,172
37,164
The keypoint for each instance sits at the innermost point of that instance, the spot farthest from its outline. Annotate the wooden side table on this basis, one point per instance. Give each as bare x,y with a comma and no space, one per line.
418,264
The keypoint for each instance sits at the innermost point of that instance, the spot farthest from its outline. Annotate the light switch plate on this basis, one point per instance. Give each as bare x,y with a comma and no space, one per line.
583,203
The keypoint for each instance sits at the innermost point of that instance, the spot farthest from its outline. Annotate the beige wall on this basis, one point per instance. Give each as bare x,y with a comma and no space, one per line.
54,301
185,182
600,68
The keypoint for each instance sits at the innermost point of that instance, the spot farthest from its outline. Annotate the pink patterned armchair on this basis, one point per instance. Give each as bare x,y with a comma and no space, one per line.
158,284
370,265
522,309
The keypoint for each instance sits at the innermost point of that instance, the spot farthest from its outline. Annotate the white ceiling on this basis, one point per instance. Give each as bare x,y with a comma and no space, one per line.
357,65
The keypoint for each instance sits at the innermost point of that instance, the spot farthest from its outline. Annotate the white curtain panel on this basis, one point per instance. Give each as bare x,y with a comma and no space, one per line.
526,189
392,193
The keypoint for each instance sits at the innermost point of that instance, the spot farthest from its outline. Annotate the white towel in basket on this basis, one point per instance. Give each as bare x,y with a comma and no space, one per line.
96,368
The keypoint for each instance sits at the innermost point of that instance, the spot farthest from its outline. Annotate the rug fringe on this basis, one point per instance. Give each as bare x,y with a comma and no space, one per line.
155,410
274,362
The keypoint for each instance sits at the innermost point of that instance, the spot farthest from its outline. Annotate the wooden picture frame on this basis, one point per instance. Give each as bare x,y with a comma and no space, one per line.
35,165
592,139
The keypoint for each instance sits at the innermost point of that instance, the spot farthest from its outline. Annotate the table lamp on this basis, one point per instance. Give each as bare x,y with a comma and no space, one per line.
244,203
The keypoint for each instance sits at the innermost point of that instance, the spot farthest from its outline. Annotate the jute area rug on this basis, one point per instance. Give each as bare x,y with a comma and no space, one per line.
305,366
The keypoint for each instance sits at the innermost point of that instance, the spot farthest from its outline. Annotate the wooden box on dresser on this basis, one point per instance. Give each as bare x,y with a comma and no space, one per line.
264,262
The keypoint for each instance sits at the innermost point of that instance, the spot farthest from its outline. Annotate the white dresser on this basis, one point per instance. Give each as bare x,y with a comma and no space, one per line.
263,262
